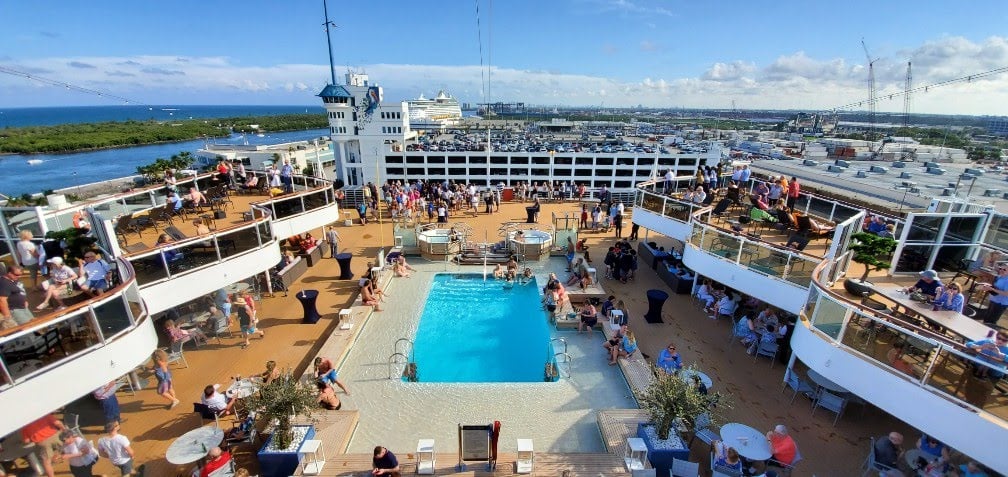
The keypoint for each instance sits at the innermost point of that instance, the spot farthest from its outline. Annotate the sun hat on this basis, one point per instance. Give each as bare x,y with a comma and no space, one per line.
56,261
929,274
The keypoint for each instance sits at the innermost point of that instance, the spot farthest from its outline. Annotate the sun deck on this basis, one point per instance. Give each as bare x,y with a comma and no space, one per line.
754,384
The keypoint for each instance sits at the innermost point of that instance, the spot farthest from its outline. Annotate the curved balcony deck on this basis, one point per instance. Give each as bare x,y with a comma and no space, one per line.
933,389
73,351
244,242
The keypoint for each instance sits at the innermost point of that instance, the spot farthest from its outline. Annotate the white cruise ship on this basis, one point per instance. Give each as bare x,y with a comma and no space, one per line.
437,113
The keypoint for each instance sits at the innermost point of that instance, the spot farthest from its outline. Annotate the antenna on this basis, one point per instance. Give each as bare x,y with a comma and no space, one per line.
332,65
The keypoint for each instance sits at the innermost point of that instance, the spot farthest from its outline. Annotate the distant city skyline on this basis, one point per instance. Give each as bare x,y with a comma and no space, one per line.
575,53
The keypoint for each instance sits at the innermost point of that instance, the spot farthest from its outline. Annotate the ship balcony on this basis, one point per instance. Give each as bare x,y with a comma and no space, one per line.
204,263
60,356
935,390
772,273
304,210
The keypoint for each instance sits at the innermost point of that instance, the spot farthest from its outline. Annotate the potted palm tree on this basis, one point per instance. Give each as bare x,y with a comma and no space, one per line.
278,403
672,400
873,252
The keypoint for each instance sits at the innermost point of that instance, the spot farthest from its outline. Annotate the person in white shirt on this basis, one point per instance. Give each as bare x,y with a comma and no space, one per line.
79,453
28,255
116,447
699,195
216,401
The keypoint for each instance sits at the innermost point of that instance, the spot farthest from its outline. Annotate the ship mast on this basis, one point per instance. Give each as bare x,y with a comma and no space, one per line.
332,66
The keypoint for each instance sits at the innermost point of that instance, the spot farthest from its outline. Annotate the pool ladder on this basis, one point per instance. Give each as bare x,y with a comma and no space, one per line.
561,356
402,361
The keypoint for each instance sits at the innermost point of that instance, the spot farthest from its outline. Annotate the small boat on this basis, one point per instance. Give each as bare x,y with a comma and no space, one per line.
261,135
34,162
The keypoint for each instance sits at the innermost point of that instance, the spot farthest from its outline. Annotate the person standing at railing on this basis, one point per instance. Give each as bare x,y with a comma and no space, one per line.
792,193
287,177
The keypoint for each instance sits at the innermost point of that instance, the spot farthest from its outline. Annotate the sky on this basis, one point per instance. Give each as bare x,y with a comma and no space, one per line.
593,53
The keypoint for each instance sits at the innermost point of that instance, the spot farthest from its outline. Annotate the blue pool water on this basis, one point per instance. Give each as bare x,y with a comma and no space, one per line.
476,331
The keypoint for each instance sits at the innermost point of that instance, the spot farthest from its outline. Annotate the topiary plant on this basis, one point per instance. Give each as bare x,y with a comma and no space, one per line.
282,399
670,398
871,251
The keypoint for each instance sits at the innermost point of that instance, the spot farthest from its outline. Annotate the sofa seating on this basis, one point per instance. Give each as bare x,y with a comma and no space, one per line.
289,274
676,284
312,255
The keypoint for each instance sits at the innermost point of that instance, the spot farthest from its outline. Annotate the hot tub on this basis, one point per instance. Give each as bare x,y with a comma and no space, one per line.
533,243
436,243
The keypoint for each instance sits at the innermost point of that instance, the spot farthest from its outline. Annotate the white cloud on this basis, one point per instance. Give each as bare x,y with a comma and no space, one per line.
793,80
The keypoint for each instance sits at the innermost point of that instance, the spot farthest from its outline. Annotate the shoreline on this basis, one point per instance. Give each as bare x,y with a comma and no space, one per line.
93,149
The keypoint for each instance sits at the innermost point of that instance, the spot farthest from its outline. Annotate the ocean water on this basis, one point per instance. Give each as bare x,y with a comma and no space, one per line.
57,171
18,117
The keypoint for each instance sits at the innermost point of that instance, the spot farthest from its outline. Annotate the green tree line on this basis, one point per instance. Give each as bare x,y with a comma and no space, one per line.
80,137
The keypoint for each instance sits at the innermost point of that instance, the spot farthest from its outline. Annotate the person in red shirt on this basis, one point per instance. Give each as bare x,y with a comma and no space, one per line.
44,433
216,459
782,446
792,192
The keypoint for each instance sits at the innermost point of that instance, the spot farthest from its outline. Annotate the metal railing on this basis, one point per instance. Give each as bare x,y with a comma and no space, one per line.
761,257
195,253
91,325
933,361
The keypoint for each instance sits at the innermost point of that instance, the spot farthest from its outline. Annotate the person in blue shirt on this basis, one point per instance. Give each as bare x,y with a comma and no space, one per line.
175,201
951,299
384,462
928,285
998,296
669,359
287,177
992,350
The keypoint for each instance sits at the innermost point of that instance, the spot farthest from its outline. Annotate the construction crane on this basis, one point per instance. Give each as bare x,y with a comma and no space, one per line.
871,90
906,97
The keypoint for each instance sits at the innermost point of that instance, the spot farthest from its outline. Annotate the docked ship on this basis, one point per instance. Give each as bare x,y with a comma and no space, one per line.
841,337
435,114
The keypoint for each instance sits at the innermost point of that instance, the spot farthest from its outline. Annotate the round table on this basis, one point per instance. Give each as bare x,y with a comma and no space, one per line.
194,445
749,442
14,448
687,375
343,259
825,383
655,298
242,389
307,299
236,287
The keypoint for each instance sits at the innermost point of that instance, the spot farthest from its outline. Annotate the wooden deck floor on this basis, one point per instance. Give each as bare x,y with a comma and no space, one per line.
755,386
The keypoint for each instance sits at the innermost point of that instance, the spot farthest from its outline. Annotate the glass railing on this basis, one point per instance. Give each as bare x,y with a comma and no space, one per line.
666,206
933,361
47,341
310,193
186,256
761,257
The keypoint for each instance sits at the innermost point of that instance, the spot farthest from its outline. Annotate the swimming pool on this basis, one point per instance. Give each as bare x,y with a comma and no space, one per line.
559,417
460,339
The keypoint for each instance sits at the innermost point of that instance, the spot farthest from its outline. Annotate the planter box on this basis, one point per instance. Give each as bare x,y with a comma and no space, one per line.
661,453
283,463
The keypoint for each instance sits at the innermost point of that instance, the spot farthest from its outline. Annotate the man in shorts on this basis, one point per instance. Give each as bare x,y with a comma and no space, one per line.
13,299
44,433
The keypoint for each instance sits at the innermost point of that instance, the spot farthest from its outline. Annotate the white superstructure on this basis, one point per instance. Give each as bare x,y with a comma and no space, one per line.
444,110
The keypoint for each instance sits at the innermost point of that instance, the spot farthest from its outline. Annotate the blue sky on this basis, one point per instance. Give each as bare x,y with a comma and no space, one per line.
603,53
